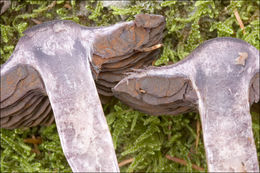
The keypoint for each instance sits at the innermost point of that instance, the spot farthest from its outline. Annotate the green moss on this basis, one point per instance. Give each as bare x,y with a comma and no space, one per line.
136,135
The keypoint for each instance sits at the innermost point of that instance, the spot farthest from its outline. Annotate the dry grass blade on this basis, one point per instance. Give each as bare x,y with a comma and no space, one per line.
35,142
183,162
148,49
36,21
68,6
125,162
52,5
198,135
239,21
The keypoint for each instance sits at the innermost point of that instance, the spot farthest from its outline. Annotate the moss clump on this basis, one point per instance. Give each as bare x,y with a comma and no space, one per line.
146,139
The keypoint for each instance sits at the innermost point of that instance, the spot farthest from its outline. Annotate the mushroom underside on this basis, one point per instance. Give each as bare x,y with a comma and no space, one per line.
24,101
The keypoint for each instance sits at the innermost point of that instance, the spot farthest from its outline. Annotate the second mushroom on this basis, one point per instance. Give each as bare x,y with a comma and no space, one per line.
220,79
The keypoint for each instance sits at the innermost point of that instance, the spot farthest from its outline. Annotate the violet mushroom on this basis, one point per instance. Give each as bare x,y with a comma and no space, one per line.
220,79
54,67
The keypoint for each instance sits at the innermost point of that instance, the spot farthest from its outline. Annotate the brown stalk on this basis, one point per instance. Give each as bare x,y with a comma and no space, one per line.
52,5
198,135
35,142
169,127
148,49
183,162
67,6
125,162
36,21
239,21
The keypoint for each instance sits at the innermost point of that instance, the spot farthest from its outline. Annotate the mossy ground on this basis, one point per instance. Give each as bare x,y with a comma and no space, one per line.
146,139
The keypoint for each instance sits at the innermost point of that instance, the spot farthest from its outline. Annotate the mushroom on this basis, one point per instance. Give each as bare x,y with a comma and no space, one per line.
53,70
220,79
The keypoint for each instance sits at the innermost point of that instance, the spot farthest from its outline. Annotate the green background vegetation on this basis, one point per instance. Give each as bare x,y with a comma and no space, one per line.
146,139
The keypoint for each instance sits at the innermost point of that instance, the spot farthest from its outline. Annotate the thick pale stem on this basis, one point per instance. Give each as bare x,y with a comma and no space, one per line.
82,127
220,72
227,131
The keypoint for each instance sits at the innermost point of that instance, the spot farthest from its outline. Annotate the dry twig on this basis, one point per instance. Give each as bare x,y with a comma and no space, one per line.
36,21
52,5
148,49
169,127
125,162
35,142
239,21
68,6
183,162
198,135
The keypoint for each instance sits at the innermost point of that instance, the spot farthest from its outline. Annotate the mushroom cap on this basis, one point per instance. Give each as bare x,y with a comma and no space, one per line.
169,90
120,49
24,102
116,50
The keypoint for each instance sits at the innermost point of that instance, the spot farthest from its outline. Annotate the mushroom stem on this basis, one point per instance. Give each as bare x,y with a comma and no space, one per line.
228,136
221,89
82,127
